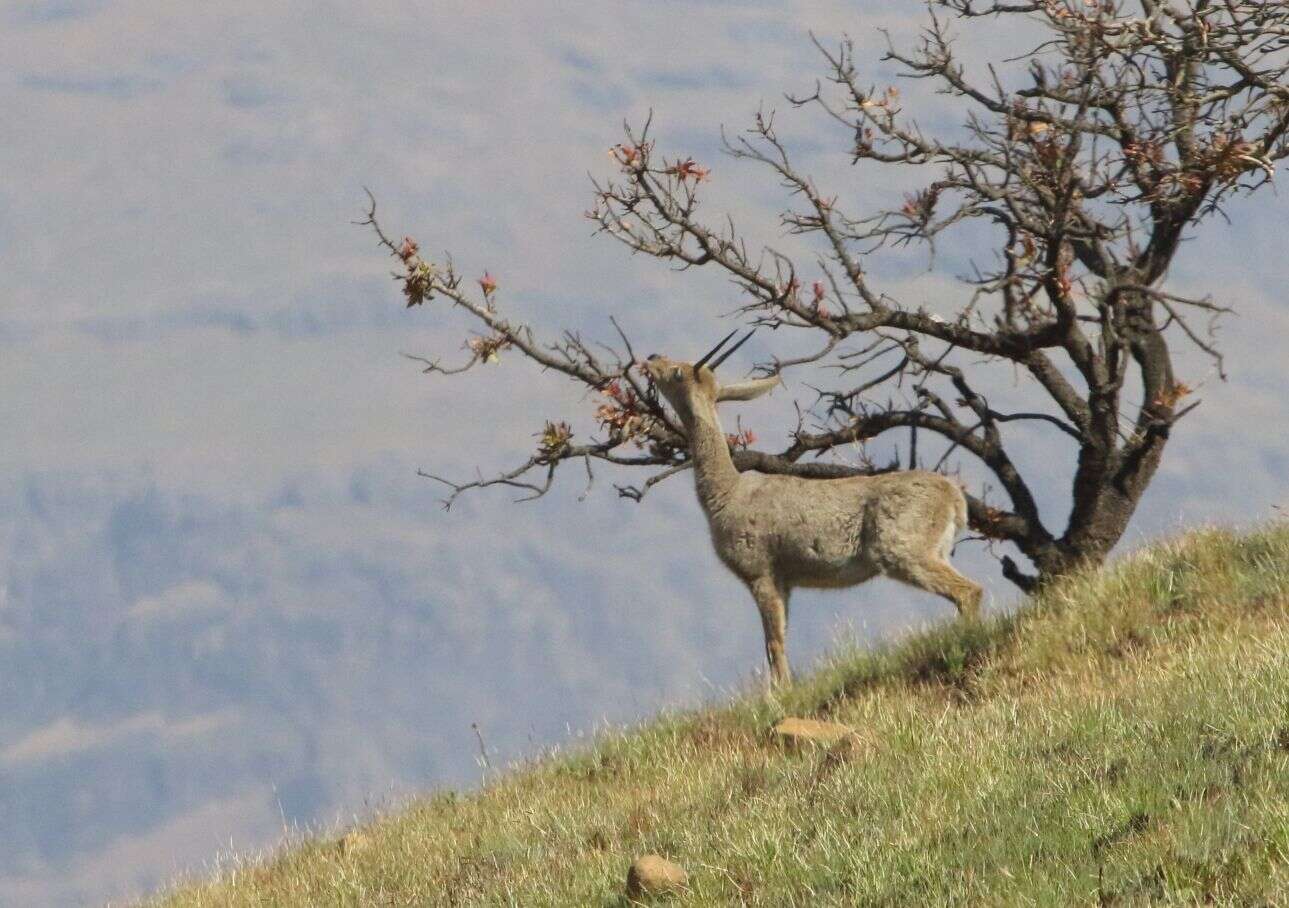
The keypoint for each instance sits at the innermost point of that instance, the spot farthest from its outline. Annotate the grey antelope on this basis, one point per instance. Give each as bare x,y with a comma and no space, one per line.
780,532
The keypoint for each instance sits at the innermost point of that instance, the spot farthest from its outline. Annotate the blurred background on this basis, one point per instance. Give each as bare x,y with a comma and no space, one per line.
230,611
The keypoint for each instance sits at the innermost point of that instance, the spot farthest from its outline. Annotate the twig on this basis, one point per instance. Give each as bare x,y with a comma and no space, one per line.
483,750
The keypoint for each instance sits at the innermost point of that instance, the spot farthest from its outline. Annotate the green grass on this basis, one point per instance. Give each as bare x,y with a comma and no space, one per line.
1121,740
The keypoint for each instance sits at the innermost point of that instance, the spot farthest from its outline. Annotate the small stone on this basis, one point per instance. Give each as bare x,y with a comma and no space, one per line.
651,874
797,734
354,841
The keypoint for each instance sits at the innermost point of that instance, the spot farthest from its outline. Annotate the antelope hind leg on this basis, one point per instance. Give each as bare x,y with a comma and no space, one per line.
935,575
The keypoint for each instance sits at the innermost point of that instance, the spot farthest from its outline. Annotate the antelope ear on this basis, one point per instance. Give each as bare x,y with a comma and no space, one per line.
748,390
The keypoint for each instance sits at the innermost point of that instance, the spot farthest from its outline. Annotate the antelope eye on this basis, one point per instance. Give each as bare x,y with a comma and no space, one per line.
676,374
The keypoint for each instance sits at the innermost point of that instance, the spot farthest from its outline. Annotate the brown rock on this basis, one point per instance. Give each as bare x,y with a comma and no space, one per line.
651,874
798,734
353,842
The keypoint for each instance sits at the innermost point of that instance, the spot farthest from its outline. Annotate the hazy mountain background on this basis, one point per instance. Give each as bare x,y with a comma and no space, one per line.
228,607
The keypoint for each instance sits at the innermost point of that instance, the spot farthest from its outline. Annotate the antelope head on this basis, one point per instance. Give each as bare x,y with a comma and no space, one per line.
688,384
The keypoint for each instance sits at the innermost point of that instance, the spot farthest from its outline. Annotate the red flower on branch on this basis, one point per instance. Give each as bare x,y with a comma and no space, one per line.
921,205
630,156
744,438
623,418
688,169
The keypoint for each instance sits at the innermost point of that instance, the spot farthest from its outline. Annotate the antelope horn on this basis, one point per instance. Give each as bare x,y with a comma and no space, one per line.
712,352
728,353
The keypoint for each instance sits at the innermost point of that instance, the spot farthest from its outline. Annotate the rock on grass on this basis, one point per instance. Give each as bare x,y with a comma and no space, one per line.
652,874
799,734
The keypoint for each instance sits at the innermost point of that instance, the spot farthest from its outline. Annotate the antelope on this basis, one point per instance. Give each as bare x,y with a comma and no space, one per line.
776,533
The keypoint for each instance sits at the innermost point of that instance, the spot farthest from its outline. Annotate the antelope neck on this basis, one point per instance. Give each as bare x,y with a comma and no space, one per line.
714,473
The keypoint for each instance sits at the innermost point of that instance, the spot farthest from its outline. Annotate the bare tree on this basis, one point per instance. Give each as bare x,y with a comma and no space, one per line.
1085,163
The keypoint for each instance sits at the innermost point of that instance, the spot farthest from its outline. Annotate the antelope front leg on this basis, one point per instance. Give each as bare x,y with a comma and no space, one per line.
772,604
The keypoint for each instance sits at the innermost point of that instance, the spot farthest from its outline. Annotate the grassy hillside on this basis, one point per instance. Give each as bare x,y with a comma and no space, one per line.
1123,739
